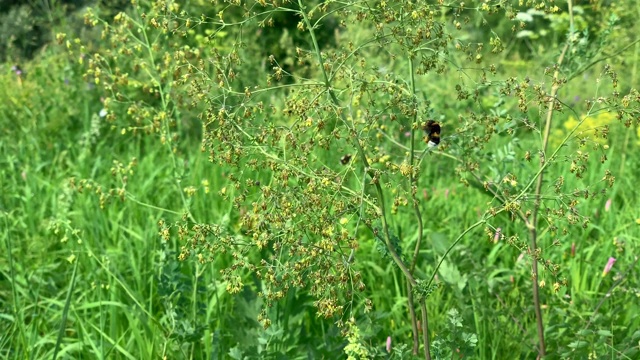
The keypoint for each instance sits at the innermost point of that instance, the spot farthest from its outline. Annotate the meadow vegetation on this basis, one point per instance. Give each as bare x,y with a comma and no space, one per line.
253,179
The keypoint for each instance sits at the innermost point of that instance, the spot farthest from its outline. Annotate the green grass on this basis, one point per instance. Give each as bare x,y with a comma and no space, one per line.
84,278
129,297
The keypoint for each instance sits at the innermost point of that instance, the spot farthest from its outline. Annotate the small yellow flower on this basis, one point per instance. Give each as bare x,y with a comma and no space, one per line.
405,168
205,184
190,190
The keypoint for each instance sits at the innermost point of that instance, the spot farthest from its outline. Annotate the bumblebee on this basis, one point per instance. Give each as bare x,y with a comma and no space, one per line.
345,159
432,130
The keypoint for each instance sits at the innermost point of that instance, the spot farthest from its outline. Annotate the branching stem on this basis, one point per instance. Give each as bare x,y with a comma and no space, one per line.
533,225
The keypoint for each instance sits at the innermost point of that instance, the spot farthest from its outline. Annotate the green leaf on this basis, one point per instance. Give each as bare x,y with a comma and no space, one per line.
579,344
584,332
451,275
440,242
606,333
235,353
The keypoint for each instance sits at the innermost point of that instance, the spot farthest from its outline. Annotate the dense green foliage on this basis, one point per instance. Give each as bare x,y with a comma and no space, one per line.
251,179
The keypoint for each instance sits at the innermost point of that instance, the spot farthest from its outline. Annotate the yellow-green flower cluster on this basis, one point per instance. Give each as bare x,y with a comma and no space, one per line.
592,128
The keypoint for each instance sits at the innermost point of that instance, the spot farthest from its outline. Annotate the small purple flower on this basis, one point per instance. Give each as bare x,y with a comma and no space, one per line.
496,237
573,249
16,69
407,134
607,205
608,267
389,344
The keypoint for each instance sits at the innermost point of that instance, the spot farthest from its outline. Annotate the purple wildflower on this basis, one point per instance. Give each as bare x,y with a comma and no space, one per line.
16,69
608,267
496,237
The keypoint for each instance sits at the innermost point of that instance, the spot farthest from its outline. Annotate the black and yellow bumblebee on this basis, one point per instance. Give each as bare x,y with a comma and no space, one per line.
345,159
432,133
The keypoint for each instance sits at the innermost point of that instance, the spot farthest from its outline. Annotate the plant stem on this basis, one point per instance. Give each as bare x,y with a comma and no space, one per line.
414,320
425,332
165,100
413,184
533,225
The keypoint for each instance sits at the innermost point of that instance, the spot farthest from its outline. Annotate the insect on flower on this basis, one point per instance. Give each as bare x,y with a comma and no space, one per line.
432,130
345,159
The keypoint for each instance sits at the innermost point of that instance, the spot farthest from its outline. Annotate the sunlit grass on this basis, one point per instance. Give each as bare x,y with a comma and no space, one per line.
85,278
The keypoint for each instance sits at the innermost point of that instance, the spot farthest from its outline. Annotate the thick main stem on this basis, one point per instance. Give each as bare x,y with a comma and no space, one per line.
413,184
414,320
533,225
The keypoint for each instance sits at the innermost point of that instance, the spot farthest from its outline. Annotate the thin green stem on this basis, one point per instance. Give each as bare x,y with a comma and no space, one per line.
533,226
455,242
165,120
413,184
412,179
634,70
65,310
17,307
